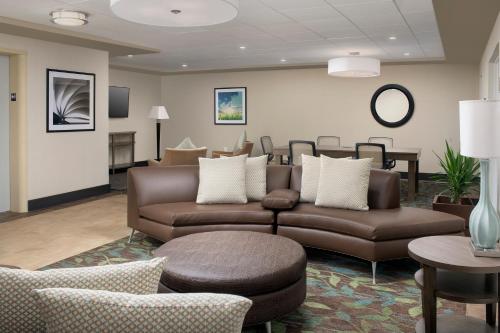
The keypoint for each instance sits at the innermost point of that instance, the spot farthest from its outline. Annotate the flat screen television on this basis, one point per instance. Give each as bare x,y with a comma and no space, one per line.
118,102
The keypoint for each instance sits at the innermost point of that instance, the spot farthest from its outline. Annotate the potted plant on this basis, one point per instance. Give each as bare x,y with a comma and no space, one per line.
461,176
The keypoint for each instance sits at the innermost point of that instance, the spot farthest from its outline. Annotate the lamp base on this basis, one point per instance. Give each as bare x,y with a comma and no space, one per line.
484,223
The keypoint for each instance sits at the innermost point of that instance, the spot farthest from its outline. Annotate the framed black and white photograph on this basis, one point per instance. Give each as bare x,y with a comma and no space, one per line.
230,106
70,101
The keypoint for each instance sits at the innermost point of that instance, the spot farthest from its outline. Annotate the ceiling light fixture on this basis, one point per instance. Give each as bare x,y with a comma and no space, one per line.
184,65
354,66
406,54
68,18
283,60
243,47
393,37
176,13
130,56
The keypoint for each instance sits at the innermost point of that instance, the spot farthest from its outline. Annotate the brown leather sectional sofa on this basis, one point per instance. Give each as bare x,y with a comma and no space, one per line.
161,203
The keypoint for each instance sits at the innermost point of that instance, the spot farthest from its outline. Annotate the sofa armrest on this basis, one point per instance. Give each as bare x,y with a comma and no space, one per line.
281,199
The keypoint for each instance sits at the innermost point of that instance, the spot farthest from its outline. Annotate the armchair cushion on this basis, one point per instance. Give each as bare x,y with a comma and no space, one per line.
282,199
69,310
241,141
186,144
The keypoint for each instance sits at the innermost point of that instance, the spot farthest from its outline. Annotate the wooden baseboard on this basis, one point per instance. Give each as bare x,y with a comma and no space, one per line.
136,164
63,198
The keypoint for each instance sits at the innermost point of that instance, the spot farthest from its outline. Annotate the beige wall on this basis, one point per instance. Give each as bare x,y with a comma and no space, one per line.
145,91
62,162
305,103
486,79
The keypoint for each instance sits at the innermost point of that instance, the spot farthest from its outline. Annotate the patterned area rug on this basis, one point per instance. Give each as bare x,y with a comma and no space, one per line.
340,294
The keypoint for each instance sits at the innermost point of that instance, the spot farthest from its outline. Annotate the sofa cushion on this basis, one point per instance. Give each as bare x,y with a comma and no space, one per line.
79,310
281,199
374,225
181,214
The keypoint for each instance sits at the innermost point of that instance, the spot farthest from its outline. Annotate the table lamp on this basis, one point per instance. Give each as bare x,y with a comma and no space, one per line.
480,138
159,113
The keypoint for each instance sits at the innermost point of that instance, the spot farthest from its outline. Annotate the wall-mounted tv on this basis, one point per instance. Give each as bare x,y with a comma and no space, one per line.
118,102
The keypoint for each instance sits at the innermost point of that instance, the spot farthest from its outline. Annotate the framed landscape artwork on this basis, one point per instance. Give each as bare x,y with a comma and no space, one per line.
70,101
230,106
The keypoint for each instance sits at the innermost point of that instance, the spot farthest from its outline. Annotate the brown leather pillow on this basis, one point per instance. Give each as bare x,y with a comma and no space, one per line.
281,199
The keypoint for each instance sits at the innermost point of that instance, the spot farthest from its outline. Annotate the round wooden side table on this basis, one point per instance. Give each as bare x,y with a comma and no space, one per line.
450,271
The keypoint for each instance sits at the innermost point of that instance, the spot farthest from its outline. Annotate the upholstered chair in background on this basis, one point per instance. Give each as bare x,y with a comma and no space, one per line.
175,156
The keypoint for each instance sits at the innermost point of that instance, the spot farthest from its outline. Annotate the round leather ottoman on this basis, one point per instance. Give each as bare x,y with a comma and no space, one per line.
268,269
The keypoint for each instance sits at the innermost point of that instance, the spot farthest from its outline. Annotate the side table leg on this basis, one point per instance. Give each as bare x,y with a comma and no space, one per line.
491,313
429,299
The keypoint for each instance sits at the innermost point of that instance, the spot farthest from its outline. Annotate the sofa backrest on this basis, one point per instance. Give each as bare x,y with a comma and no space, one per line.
383,190
152,185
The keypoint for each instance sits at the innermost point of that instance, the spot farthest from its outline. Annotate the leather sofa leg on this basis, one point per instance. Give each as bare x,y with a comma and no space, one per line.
374,272
268,327
131,235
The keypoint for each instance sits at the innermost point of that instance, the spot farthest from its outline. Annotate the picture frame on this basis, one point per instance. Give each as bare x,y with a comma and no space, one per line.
70,101
230,106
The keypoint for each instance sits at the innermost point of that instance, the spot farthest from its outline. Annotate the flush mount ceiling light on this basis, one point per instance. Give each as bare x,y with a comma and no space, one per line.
176,13
354,66
68,18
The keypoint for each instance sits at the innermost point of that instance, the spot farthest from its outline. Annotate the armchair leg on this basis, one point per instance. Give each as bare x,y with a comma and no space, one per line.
268,327
131,235
374,272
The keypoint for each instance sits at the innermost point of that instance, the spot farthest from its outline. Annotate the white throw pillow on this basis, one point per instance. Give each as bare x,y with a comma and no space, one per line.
89,311
222,180
256,181
343,183
19,311
241,141
256,178
186,144
310,178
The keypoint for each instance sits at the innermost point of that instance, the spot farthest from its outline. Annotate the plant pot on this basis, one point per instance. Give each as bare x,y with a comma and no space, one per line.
442,203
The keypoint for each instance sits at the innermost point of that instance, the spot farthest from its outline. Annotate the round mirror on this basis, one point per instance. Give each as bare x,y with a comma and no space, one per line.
392,105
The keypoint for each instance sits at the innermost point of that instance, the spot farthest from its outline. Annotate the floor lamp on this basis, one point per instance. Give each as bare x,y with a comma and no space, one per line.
159,113
480,138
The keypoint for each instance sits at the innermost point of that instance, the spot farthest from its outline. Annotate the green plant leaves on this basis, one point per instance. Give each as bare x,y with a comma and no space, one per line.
460,173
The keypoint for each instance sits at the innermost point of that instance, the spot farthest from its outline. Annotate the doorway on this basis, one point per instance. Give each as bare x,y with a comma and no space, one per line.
4,135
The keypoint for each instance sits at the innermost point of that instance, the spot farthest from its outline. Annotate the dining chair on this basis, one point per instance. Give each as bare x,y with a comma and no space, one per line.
299,147
267,147
388,142
328,140
376,151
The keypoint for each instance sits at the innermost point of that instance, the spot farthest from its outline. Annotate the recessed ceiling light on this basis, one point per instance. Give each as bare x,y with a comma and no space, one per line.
176,13
68,18
130,56
406,54
283,60
184,65
243,47
393,37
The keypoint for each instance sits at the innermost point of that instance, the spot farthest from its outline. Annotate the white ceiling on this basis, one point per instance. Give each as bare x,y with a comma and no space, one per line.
301,31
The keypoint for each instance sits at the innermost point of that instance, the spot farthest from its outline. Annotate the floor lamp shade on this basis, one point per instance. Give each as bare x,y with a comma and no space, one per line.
159,113
479,138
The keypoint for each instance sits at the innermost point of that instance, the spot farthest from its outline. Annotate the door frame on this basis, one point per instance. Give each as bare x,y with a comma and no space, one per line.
18,130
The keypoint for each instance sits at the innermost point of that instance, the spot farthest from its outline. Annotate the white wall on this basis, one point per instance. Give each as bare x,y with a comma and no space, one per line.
145,91
305,103
62,162
485,91
4,135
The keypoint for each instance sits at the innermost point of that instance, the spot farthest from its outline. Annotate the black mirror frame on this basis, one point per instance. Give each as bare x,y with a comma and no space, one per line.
411,105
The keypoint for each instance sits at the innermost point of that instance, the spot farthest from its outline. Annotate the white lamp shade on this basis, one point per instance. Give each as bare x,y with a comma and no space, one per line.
354,67
480,128
176,13
158,112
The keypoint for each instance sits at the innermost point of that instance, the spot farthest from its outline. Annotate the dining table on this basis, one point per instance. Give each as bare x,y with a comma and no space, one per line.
410,155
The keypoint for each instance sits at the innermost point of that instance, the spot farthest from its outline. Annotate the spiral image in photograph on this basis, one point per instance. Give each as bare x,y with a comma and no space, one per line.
72,101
